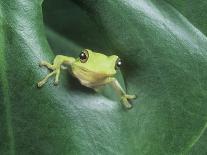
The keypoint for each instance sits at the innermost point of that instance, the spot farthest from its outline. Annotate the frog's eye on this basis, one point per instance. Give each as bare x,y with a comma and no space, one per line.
84,56
118,63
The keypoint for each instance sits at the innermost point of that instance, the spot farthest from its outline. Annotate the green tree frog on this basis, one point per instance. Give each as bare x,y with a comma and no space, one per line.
92,69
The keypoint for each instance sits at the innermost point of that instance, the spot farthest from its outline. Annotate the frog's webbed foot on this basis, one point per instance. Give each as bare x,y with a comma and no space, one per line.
125,100
55,71
55,67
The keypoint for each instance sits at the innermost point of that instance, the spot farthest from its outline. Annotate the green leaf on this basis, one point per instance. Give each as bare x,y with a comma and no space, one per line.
164,64
194,11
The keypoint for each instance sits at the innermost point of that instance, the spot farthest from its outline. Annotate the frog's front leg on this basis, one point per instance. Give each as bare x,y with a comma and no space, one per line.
124,97
55,67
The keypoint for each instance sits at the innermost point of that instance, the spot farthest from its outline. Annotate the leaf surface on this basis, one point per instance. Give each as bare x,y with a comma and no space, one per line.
164,64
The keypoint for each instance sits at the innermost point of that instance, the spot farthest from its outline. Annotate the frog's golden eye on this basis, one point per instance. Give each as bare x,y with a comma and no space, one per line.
118,63
84,56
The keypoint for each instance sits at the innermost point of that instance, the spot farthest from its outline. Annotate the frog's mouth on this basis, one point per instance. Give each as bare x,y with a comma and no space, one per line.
92,72
87,73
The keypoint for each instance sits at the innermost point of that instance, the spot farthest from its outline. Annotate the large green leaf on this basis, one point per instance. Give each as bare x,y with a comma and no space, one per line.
67,119
194,11
165,65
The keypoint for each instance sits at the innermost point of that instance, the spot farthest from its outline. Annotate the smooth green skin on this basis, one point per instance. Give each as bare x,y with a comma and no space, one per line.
95,71
166,68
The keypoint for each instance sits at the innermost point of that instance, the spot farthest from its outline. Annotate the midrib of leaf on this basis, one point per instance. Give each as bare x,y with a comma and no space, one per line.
196,139
5,87
203,129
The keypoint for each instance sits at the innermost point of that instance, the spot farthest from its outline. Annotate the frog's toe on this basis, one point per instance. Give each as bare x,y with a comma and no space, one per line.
130,96
41,63
40,84
56,83
128,106
125,102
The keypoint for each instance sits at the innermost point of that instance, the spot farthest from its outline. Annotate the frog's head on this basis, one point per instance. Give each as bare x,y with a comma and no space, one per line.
97,63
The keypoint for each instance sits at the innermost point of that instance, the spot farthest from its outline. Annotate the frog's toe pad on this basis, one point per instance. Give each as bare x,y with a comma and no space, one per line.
56,83
40,84
128,106
125,102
